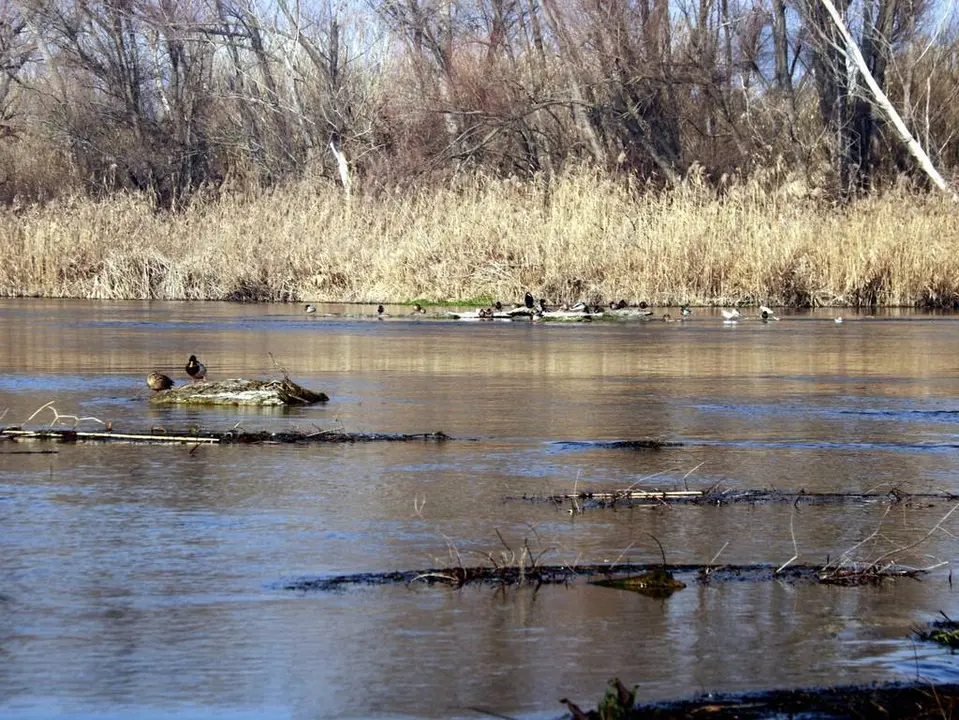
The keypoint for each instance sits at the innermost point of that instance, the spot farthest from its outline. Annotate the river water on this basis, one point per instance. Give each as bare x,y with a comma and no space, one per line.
146,581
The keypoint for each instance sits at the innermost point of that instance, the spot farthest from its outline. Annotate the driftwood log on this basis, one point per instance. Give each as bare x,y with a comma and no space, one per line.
237,391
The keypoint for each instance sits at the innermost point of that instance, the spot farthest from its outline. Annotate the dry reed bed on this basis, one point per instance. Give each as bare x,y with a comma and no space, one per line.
587,238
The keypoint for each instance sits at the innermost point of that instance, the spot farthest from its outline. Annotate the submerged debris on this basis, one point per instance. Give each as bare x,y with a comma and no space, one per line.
892,700
159,436
658,582
717,496
945,632
238,391
556,574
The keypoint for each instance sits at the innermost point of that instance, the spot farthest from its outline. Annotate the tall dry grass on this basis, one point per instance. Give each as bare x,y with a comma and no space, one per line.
586,237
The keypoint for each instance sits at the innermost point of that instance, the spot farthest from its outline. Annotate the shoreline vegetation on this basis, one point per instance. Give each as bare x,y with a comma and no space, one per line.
585,236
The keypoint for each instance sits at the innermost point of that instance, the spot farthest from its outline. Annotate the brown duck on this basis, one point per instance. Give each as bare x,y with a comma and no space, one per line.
157,381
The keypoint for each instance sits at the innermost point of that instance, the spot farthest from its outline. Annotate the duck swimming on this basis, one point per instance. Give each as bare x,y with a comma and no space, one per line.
195,369
309,309
157,381
766,313
731,315
379,310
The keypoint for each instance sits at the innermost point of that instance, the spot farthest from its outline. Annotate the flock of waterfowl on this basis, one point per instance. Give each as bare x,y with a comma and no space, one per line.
534,308
157,381
531,307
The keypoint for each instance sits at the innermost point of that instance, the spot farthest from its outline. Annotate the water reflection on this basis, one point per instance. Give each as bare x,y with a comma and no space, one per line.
141,580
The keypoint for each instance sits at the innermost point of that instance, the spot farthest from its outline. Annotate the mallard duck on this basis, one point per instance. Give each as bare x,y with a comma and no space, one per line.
379,310
685,311
766,313
667,317
157,381
541,305
195,369
417,308
498,306
731,315
309,309
529,300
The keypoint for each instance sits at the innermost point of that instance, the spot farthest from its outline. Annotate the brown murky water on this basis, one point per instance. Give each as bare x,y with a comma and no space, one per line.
144,580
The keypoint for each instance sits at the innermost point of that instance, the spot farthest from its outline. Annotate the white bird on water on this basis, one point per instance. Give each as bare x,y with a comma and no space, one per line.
838,320
731,316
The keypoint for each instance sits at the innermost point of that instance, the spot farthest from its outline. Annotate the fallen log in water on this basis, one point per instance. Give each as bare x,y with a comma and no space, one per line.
216,438
238,391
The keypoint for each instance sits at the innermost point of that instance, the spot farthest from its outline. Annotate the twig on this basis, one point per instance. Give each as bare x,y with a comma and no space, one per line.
625,550
661,550
920,540
685,484
438,576
795,556
279,367
718,553
650,477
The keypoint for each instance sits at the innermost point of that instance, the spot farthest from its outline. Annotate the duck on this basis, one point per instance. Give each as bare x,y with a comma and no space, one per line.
195,369
685,311
766,313
498,306
529,300
731,315
667,317
309,308
838,320
542,305
157,381
417,308
379,311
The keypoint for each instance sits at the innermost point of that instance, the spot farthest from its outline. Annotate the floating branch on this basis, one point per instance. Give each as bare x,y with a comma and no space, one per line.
58,417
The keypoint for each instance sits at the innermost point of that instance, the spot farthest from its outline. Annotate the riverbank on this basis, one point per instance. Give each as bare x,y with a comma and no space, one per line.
587,238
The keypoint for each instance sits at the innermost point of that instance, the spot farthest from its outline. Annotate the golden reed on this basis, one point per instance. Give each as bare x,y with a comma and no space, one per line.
588,237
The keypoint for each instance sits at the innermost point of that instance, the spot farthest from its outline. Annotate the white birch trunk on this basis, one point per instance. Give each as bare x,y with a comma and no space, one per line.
883,103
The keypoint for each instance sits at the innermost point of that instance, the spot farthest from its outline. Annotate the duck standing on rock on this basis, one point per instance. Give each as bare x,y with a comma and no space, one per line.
529,300
195,369
157,381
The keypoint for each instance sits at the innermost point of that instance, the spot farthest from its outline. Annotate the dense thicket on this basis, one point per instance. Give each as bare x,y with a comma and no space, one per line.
186,98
